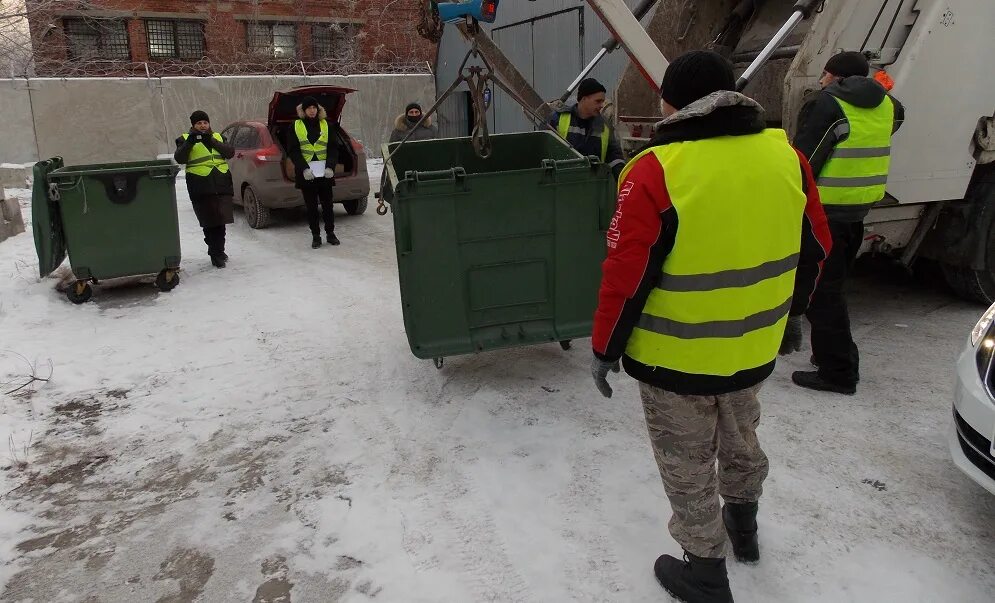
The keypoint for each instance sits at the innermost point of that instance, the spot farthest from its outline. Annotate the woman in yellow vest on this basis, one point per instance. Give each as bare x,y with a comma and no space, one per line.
312,149
204,152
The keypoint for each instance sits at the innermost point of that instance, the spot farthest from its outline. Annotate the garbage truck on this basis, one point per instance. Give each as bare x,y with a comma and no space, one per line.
935,54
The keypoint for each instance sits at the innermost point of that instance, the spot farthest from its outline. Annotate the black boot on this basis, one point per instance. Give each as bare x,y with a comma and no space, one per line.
741,525
812,380
332,239
694,580
315,241
219,261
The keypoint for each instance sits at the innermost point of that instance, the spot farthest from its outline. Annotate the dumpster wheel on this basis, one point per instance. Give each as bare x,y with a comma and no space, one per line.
565,344
438,362
167,280
79,292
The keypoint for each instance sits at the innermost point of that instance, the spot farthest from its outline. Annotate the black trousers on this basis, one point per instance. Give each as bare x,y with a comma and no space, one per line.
313,195
832,343
214,236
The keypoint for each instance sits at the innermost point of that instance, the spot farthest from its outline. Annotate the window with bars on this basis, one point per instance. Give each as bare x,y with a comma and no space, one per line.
97,38
335,42
273,40
169,39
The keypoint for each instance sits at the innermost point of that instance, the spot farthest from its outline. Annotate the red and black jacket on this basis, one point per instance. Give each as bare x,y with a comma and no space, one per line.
643,232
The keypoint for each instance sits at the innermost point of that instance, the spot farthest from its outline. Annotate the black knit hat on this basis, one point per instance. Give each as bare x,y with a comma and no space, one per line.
848,64
588,87
695,75
412,106
309,102
198,116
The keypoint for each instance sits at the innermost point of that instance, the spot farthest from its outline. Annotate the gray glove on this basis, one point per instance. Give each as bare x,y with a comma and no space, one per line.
599,370
308,175
792,341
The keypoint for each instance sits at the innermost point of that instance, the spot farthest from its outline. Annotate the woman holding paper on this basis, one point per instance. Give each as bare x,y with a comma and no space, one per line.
314,160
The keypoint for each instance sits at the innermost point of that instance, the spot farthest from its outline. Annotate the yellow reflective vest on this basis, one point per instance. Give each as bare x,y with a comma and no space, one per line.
203,160
722,299
317,151
857,170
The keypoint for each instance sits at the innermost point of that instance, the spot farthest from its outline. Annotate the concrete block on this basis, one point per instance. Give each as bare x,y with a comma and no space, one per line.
11,221
14,176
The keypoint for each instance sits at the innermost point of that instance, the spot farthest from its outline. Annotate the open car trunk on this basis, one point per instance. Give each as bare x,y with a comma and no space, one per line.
283,114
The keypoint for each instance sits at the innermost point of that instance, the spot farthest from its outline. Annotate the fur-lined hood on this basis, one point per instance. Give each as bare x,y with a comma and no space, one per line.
322,114
402,124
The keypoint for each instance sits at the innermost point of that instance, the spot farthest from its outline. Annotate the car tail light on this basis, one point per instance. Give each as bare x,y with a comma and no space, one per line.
271,154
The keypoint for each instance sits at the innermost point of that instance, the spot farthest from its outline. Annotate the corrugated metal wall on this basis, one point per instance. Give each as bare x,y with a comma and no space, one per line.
549,41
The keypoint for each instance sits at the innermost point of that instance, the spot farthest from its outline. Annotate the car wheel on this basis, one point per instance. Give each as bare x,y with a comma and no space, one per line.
256,214
355,207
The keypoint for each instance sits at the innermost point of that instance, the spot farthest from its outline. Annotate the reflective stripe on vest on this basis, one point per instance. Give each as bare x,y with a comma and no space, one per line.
857,170
723,297
203,160
565,129
317,151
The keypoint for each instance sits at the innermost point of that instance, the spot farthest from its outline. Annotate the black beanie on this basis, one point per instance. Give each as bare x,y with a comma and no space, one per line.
588,87
412,106
695,75
848,64
198,116
309,102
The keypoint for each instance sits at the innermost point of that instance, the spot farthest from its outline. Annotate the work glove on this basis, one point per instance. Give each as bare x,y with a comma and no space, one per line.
308,175
792,340
208,139
196,136
599,370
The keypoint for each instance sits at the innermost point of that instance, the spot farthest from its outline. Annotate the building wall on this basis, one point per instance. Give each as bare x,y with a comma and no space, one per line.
387,40
95,120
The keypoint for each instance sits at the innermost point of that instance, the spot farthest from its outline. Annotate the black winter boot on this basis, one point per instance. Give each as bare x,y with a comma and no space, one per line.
315,241
694,580
333,240
812,380
741,525
219,261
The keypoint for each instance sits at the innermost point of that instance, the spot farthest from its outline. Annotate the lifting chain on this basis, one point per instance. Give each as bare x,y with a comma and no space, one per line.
476,79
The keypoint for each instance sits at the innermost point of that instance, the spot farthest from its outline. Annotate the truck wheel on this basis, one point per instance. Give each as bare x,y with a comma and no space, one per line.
355,207
973,285
257,215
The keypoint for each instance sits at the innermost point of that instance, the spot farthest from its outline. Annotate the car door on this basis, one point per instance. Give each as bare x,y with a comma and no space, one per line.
237,164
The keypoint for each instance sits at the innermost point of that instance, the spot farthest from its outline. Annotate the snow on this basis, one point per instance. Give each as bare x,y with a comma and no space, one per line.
263,431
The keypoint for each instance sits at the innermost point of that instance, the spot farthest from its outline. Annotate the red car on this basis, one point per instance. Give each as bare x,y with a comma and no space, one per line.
262,172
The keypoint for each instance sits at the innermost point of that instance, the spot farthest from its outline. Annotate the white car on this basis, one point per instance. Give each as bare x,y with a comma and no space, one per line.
973,433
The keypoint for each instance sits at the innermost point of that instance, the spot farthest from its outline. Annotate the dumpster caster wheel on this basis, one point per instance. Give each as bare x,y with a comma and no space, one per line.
167,280
438,362
565,344
79,292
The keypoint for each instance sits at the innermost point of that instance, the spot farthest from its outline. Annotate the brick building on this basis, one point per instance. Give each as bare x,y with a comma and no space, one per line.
190,37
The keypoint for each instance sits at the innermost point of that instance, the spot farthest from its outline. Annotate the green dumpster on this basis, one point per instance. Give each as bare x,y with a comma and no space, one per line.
498,252
113,220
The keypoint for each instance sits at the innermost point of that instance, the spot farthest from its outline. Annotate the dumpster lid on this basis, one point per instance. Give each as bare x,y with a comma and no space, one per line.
283,107
46,222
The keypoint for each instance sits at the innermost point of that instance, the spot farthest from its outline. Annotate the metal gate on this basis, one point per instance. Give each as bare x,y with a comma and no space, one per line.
549,51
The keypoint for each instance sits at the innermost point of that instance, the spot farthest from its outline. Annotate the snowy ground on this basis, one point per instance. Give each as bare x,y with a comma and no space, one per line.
262,433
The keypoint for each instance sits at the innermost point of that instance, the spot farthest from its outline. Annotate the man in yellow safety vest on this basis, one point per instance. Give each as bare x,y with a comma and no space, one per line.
715,246
845,131
583,127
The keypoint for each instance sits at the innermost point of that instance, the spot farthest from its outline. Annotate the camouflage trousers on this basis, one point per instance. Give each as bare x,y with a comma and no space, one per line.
688,434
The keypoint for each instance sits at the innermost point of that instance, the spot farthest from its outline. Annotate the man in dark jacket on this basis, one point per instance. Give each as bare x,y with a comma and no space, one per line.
583,127
204,152
313,149
405,122
713,251
845,131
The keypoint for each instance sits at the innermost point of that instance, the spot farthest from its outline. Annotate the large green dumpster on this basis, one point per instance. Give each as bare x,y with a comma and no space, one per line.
497,252
113,220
